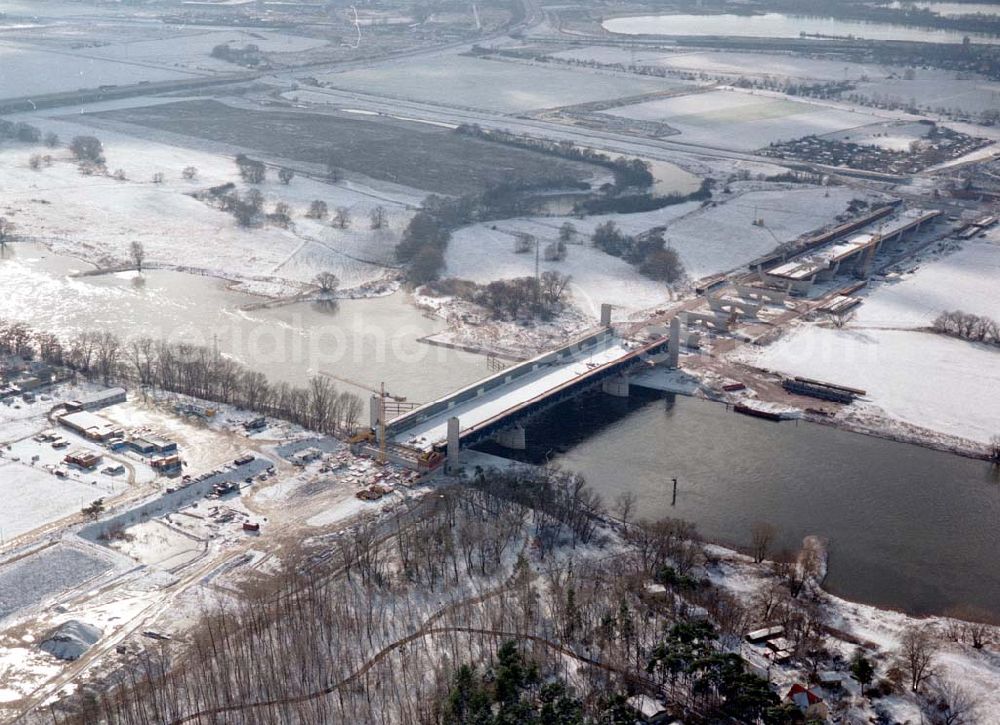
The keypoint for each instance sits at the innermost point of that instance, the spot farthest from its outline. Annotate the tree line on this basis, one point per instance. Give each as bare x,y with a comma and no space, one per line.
648,251
510,298
967,326
187,369
627,172
425,239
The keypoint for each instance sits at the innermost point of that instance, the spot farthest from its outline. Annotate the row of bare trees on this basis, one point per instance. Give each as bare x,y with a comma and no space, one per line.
192,370
967,326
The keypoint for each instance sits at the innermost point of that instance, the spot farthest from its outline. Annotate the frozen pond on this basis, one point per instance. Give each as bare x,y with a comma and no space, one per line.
952,10
367,340
779,25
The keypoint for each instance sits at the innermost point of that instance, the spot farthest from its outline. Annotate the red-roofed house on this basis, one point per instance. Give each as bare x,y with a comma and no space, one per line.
808,701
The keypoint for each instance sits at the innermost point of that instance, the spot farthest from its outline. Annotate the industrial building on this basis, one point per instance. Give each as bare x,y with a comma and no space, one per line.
83,458
91,426
151,445
96,401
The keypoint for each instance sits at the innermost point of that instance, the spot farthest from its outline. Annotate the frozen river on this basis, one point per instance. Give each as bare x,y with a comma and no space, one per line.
366,340
779,25
908,527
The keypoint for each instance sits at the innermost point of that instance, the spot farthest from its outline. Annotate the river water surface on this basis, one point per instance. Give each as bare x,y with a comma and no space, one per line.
779,25
907,527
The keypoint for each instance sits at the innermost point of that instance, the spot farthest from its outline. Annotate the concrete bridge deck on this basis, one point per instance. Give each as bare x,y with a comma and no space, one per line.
486,408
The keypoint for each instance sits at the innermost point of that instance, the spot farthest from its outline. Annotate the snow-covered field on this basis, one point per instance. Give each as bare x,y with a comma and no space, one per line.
28,70
744,121
729,63
491,84
193,49
709,240
947,385
33,497
946,94
97,217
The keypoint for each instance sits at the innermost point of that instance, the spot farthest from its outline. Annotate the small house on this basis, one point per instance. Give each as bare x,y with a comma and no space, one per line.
808,701
765,633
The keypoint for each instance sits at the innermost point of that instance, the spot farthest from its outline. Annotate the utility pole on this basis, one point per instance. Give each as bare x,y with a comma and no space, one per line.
538,277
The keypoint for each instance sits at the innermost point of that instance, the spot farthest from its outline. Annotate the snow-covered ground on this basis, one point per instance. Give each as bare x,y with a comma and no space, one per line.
936,93
976,672
729,63
494,85
947,385
27,70
709,239
744,121
97,217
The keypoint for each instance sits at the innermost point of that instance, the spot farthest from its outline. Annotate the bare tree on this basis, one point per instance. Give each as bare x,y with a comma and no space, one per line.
552,286
190,173
342,217
624,505
949,704
317,209
51,140
841,318
972,624
286,175
994,449
327,282
87,148
762,536
378,217
158,177
255,199
917,651
282,214
138,253
523,242
6,231
567,233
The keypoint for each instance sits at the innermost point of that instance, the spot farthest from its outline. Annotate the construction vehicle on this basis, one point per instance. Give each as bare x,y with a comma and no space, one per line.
365,436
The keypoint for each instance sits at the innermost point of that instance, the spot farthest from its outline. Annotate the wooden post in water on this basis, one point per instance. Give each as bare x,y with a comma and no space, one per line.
673,501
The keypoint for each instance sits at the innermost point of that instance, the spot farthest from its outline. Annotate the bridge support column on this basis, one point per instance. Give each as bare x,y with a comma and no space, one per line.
606,315
374,409
512,438
451,463
674,344
617,386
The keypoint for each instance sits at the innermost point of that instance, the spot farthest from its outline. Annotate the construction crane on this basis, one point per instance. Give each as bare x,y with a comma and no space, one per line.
356,384
381,425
